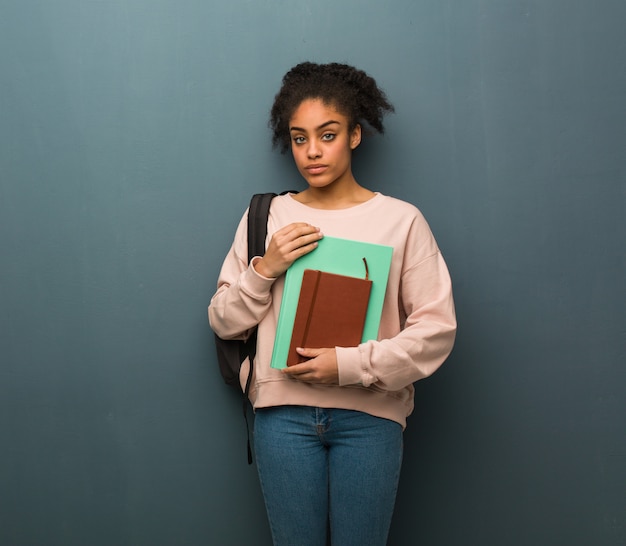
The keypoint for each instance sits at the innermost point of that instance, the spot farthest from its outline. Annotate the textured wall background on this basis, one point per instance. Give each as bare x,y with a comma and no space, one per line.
132,134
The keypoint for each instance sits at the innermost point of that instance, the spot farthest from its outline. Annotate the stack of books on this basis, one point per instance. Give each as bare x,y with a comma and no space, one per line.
333,297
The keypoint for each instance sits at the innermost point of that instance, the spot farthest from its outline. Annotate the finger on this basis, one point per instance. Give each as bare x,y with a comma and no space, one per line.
293,250
308,352
294,240
298,369
287,245
294,374
303,240
297,229
301,243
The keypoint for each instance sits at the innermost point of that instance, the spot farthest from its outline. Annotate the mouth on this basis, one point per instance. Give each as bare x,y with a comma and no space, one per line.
316,168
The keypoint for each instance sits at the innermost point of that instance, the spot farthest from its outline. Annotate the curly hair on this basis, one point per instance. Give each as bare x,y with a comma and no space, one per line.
351,91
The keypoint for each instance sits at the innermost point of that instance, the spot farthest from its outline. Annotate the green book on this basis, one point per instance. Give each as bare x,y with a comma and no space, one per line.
342,257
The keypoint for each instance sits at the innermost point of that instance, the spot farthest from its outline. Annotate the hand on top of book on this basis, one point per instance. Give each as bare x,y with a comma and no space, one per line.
286,246
320,368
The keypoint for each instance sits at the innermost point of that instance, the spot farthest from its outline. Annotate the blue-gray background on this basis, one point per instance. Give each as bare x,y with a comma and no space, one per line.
132,133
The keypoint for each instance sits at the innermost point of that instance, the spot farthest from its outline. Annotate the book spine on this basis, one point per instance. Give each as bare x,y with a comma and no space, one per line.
310,282
305,335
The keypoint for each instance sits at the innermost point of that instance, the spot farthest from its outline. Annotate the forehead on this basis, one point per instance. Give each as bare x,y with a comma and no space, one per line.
312,113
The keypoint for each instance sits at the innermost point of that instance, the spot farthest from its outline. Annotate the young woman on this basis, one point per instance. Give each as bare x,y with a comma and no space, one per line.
328,432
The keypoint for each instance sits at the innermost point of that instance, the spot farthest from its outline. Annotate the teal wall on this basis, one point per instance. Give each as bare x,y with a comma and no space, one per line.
132,133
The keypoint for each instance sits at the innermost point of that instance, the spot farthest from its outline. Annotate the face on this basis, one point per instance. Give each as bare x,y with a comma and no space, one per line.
322,144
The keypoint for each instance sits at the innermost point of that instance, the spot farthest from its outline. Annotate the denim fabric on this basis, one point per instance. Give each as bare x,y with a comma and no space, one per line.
327,468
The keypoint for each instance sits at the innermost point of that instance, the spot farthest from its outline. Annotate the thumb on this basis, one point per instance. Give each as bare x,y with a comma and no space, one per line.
309,353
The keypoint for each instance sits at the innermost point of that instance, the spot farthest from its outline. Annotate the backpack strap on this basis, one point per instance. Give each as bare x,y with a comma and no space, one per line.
258,214
257,223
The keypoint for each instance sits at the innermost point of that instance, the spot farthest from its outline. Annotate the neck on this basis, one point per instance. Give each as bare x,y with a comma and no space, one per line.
334,197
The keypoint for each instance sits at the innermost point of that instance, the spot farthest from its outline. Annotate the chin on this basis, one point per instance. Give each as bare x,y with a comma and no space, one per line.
315,182
319,185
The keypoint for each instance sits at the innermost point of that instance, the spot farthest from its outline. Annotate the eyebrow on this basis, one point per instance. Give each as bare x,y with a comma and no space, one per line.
322,126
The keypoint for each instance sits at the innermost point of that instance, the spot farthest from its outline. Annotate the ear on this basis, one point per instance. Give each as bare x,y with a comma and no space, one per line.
355,137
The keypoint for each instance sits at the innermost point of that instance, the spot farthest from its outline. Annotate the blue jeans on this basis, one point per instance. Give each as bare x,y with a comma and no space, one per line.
327,469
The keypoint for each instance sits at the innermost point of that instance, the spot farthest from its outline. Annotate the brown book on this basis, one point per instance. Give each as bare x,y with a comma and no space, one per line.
331,312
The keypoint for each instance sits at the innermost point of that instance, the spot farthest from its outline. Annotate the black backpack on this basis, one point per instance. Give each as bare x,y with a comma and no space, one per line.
232,353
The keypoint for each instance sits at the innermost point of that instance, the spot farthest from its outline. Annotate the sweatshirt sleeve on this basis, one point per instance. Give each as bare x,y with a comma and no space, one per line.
425,338
243,296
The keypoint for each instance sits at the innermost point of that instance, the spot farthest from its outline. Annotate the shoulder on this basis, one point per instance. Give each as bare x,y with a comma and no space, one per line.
397,204
401,210
410,230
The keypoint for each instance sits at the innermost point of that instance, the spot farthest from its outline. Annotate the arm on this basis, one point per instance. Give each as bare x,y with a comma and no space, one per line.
243,296
423,344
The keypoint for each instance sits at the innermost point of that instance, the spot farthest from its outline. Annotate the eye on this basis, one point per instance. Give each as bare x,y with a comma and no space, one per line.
328,136
299,140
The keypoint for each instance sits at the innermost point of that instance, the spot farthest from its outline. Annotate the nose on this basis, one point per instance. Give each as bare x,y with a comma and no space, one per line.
314,149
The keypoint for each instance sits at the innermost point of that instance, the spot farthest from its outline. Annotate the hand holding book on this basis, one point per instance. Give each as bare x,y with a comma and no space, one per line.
286,246
320,366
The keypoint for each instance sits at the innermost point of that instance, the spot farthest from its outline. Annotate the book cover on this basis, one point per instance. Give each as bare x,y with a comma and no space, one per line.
331,311
342,257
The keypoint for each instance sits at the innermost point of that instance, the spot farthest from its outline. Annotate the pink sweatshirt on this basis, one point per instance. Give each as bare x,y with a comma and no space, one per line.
418,322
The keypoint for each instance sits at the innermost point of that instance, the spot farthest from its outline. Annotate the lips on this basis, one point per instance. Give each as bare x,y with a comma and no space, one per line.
316,168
